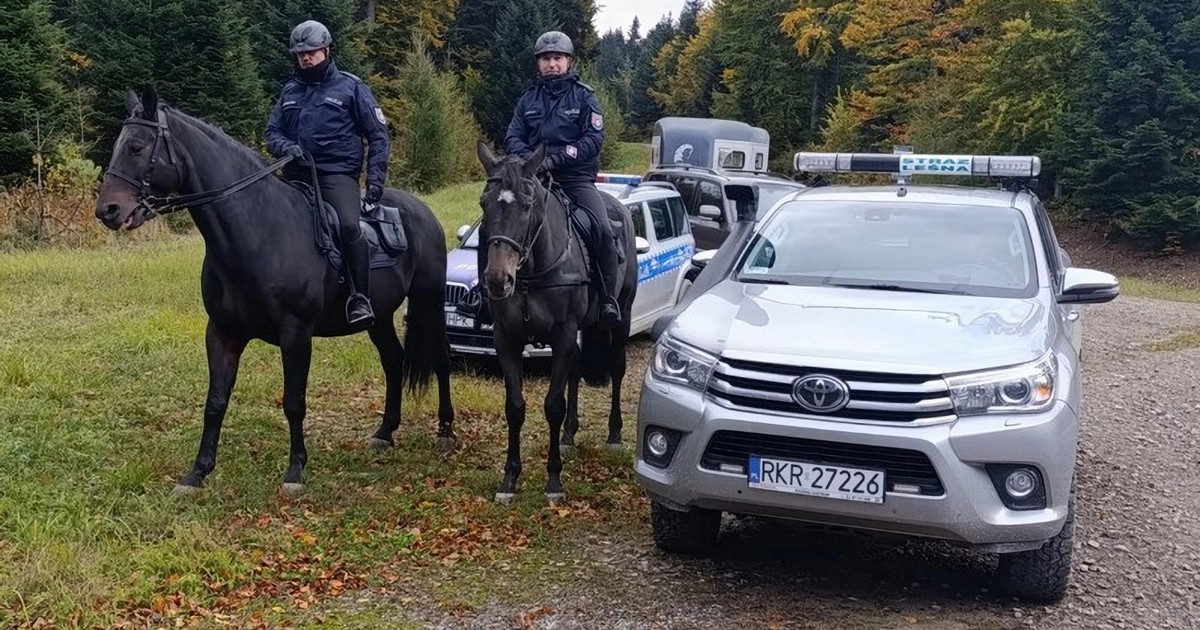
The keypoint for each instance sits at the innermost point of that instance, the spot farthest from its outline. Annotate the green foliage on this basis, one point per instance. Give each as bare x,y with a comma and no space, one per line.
511,66
434,135
32,108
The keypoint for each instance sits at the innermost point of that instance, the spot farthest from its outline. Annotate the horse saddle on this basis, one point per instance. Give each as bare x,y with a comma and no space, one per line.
381,225
582,223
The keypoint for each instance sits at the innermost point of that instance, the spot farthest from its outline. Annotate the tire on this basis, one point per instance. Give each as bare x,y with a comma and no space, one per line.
1041,575
692,532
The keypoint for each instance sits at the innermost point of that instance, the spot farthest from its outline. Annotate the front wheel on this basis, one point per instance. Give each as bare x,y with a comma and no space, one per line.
1041,575
691,532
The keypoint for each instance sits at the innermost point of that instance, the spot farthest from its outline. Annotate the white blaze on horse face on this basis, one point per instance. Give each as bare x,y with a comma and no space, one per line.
507,196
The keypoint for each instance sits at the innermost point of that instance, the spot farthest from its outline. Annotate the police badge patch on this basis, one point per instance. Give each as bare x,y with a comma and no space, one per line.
597,121
572,152
379,116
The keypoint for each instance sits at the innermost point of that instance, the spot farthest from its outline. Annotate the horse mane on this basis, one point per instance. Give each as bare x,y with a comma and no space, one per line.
218,135
512,173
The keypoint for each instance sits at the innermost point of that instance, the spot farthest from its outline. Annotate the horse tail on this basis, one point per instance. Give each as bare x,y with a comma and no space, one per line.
426,349
594,358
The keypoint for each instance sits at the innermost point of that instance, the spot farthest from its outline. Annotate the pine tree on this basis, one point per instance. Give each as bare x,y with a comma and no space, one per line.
397,22
270,22
469,40
574,17
34,46
687,18
511,66
643,109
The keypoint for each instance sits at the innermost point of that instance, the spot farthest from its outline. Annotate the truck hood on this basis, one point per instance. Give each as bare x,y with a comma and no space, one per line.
863,329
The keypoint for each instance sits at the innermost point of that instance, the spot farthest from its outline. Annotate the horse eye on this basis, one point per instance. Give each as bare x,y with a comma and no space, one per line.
136,148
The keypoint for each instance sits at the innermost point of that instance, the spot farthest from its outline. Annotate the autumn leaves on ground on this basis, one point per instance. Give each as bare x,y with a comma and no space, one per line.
102,382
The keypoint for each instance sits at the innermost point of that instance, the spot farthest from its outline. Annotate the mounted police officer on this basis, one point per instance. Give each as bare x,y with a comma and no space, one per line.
326,113
563,113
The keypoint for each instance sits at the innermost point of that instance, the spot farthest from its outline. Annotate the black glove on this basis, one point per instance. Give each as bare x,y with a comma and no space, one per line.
295,151
374,193
549,164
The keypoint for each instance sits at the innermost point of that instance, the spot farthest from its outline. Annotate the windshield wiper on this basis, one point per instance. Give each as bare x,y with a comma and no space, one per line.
895,287
760,280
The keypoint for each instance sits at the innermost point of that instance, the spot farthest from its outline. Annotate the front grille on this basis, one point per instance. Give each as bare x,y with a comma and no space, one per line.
455,292
873,396
901,466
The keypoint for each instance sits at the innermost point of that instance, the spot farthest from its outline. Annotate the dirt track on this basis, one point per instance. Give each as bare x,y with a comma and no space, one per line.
1137,562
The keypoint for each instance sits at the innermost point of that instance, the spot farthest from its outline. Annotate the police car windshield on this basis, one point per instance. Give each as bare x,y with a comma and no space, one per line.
907,246
472,239
770,194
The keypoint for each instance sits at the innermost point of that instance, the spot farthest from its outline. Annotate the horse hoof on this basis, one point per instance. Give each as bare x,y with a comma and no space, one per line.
505,498
183,490
293,489
556,499
377,444
615,446
446,445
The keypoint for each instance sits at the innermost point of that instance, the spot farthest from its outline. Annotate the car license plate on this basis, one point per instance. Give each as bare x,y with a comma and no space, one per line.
458,321
818,480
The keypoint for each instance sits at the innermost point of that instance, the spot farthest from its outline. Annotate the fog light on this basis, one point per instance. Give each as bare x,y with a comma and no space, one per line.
1020,483
657,443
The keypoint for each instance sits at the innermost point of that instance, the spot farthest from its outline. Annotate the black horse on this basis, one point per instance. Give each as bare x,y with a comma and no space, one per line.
536,282
263,276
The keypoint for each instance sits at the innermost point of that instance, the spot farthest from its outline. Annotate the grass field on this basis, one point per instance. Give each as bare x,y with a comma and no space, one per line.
102,380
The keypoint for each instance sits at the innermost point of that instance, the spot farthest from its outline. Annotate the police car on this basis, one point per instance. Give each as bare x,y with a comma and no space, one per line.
664,249
900,358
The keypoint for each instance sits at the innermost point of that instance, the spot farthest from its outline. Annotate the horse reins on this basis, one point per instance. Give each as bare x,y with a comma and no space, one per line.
164,205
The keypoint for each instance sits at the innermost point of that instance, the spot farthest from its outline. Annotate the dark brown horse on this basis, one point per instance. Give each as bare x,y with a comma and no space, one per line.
536,283
263,276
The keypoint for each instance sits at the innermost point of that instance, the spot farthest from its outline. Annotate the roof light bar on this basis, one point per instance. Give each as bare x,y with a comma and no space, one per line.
908,164
618,178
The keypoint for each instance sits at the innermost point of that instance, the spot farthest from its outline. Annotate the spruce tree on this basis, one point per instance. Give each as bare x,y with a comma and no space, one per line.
511,67
33,48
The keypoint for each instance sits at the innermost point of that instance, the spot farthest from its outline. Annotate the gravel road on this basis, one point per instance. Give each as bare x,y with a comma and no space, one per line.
1137,562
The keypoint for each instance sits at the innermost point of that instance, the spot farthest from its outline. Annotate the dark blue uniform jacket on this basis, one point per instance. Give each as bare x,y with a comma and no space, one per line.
329,119
565,115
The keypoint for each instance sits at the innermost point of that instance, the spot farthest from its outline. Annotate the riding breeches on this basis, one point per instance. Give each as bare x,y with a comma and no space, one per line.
584,192
341,191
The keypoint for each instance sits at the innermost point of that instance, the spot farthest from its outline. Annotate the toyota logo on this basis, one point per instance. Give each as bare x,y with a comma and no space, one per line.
820,393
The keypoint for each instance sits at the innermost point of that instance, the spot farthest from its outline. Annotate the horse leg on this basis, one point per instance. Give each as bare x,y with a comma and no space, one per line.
446,440
616,373
562,371
391,356
514,413
571,424
224,354
295,344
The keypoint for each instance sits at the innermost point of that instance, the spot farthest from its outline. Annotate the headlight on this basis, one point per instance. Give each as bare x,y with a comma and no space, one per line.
675,362
1023,389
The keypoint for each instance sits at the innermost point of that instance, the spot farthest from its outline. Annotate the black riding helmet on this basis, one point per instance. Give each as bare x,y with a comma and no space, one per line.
308,36
553,42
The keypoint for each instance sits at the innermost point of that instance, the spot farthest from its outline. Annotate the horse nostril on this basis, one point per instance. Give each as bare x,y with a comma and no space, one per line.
106,211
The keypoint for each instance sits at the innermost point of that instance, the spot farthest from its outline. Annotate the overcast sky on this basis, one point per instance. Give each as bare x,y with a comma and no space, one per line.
612,14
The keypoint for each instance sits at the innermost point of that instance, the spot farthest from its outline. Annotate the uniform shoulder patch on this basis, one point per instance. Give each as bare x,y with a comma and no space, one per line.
379,116
597,121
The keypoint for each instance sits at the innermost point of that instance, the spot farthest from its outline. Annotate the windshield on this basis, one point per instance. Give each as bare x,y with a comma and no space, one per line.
937,248
770,194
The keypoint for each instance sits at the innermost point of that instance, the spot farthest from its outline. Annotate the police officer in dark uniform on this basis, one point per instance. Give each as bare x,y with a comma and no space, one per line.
326,113
563,113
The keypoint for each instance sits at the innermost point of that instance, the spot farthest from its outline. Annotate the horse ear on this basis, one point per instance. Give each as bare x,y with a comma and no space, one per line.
535,160
149,103
485,157
133,104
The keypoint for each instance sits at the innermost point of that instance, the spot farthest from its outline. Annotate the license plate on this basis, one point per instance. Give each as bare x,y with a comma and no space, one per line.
818,480
459,321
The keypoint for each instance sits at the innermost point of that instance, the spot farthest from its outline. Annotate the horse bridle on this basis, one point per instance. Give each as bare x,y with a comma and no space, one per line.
531,234
153,205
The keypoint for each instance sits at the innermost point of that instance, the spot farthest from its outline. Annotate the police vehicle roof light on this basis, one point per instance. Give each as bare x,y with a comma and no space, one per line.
908,164
618,178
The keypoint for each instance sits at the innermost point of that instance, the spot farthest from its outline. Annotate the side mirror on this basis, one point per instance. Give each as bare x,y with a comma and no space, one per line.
642,245
701,258
462,231
709,211
1088,286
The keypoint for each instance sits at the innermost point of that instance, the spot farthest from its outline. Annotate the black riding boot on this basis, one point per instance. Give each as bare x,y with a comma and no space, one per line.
606,259
359,313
